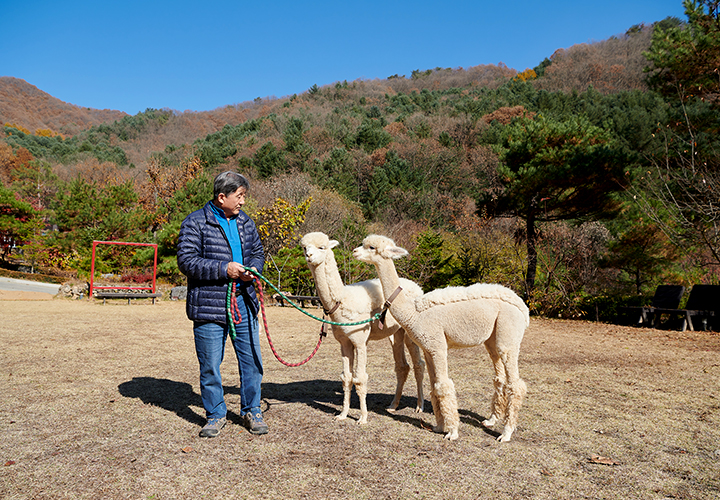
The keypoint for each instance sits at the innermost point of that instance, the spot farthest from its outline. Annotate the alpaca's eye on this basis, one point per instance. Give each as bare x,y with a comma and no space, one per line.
372,248
321,248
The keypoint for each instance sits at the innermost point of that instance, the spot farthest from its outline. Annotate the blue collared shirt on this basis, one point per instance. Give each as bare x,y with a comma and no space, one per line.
230,229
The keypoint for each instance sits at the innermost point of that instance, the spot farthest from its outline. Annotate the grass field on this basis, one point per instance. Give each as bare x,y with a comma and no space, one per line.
102,401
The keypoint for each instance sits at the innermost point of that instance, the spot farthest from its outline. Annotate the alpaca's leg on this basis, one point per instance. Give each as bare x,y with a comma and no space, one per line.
447,403
419,369
498,406
439,422
515,390
348,356
445,400
360,379
401,366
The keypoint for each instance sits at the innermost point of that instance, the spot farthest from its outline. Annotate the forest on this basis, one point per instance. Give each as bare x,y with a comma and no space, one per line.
582,183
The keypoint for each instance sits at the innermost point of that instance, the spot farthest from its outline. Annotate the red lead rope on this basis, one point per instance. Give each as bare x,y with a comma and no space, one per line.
235,313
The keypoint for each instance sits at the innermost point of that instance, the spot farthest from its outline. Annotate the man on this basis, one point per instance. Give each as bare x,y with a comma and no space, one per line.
215,243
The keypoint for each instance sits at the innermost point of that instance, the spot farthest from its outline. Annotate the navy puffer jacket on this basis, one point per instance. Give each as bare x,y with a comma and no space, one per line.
203,255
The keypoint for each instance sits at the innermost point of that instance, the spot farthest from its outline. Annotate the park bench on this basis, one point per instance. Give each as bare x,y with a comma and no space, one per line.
703,305
667,297
281,297
102,294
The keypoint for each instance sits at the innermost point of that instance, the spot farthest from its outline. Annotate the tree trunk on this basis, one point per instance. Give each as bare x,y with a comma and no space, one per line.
532,254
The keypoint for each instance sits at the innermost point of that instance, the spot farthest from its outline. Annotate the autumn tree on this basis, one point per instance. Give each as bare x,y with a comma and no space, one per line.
277,224
11,161
166,175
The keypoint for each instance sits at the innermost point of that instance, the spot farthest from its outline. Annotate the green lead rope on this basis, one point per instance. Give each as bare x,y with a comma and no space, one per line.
231,319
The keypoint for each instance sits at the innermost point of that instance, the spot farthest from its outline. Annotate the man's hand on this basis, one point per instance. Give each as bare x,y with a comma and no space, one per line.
236,270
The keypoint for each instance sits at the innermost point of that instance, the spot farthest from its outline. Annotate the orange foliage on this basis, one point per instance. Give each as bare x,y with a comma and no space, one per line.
396,129
18,127
163,181
528,74
45,132
10,161
506,114
378,157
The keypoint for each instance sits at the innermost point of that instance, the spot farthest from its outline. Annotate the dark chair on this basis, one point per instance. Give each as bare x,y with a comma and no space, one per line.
702,308
666,297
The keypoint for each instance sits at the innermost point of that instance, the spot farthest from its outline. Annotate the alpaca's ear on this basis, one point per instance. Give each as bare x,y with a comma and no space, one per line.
333,243
395,252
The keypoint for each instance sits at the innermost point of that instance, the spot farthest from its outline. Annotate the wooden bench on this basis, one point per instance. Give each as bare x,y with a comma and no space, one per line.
280,298
703,306
126,295
667,297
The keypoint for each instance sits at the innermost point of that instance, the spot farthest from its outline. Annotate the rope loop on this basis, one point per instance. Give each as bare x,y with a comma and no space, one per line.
234,319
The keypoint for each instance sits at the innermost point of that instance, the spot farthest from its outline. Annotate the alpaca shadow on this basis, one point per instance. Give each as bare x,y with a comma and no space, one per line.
327,396
466,416
175,397
471,418
323,395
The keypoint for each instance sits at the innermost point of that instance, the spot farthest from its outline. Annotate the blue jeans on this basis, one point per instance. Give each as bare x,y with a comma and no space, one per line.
210,347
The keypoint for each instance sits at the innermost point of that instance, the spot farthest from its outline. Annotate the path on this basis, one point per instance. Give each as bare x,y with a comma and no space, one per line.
15,289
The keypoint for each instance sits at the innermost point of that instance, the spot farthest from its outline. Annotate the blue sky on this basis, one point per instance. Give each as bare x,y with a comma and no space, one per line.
201,55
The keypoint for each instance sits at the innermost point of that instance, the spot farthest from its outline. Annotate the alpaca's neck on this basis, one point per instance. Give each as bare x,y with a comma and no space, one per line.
328,283
402,307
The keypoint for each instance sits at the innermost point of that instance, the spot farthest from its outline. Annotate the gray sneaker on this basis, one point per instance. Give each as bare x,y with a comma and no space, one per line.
212,428
255,423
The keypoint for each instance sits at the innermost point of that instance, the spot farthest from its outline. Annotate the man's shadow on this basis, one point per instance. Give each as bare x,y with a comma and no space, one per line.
176,397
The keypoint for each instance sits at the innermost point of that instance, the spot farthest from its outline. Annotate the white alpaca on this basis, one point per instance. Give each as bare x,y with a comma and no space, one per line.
353,303
458,317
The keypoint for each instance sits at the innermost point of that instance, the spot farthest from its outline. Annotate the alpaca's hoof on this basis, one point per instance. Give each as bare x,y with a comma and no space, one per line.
490,421
391,409
342,416
452,435
418,409
506,435
362,421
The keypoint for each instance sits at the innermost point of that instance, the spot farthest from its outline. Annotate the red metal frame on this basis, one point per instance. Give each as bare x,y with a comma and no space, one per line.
92,267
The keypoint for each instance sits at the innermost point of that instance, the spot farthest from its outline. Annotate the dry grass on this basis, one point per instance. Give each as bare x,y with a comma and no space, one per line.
103,402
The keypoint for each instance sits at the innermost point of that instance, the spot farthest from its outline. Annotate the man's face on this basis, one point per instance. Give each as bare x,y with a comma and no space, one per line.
233,202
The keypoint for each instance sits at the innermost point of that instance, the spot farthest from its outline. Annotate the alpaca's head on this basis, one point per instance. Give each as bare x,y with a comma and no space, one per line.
317,248
376,248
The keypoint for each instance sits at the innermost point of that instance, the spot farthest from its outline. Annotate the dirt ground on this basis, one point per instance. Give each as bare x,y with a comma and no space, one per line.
102,401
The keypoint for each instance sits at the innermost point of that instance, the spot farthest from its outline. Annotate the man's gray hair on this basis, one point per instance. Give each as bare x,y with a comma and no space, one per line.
229,182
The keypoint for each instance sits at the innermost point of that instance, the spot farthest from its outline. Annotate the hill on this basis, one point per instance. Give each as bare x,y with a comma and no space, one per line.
25,105
610,65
